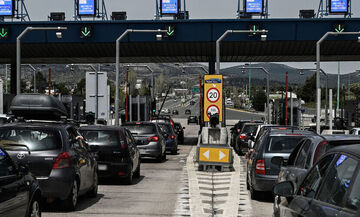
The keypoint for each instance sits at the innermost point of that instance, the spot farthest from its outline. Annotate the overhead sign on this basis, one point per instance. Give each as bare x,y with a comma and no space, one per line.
86,31
169,7
7,7
254,6
218,155
339,6
213,100
339,28
86,7
254,27
4,32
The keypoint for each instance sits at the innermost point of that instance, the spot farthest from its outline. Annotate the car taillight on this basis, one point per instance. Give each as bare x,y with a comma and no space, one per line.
317,151
171,122
153,138
242,136
260,167
62,161
238,130
123,145
172,137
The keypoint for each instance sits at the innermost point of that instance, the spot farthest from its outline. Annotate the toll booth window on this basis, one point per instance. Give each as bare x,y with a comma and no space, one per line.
35,140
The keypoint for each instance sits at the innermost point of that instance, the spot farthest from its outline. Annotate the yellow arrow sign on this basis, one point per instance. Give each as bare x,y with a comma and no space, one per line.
220,155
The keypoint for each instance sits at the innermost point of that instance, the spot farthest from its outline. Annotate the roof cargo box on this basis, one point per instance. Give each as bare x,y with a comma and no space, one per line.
37,107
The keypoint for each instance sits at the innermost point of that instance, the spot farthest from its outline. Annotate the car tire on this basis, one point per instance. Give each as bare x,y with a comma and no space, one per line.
129,178
253,193
35,207
71,202
137,172
94,190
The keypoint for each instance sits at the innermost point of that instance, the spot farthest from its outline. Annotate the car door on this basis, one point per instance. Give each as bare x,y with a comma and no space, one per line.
14,190
330,200
132,151
297,172
300,204
90,163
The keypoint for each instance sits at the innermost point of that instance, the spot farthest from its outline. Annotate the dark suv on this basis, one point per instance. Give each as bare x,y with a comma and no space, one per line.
54,151
247,132
262,173
20,194
330,188
170,137
117,153
149,139
237,129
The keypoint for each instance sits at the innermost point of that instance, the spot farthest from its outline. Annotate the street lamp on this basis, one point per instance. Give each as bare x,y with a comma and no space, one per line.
267,88
227,32
118,64
326,87
18,48
318,93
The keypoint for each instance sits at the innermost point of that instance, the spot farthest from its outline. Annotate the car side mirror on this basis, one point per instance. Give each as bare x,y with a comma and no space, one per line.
23,169
284,189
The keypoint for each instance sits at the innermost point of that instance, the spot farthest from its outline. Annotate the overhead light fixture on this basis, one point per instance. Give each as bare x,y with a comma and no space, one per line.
59,35
359,38
263,37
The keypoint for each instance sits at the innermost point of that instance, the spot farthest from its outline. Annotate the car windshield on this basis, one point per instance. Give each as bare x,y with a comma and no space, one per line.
101,137
283,144
249,129
138,129
165,128
34,139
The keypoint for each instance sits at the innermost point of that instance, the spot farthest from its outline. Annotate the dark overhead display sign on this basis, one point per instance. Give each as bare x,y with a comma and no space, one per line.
86,7
7,7
254,6
86,31
339,28
339,6
169,7
170,30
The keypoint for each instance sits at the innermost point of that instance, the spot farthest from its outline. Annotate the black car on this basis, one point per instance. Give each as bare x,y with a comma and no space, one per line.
192,119
180,132
330,188
118,155
170,137
20,194
262,172
247,132
54,151
188,112
307,152
149,139
237,129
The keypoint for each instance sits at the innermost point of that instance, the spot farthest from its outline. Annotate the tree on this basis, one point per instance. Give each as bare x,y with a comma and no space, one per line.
159,84
132,81
144,90
61,88
308,91
41,82
355,88
259,100
80,88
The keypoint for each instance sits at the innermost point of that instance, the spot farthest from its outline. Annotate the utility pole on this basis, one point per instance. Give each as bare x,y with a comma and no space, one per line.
286,100
250,87
338,90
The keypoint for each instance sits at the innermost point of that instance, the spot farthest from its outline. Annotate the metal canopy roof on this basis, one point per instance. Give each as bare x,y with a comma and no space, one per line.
289,40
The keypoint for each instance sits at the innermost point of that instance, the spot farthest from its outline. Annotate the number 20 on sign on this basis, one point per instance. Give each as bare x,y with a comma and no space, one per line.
213,101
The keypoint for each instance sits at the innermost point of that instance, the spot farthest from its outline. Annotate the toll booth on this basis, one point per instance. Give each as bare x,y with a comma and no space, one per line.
139,108
75,106
279,112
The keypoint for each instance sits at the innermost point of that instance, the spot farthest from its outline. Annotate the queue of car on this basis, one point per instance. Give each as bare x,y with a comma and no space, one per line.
309,174
45,158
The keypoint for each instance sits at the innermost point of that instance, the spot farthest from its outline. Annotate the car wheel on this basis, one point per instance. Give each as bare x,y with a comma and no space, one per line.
253,193
129,178
137,172
35,210
71,201
94,191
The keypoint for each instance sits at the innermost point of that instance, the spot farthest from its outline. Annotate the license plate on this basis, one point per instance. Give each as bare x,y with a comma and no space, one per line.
102,167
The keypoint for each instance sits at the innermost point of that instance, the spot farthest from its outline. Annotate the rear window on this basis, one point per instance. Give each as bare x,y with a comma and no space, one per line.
139,129
165,128
283,144
34,139
101,138
249,129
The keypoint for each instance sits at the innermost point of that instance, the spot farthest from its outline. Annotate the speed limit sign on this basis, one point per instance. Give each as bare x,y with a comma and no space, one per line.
213,95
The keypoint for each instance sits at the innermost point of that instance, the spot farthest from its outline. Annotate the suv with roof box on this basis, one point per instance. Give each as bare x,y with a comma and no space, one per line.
54,151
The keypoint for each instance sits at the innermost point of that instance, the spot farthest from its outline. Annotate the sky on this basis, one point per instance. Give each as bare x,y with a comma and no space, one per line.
198,9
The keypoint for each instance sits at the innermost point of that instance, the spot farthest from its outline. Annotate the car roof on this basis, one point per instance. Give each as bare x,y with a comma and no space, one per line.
349,149
289,132
55,125
100,127
138,123
341,137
